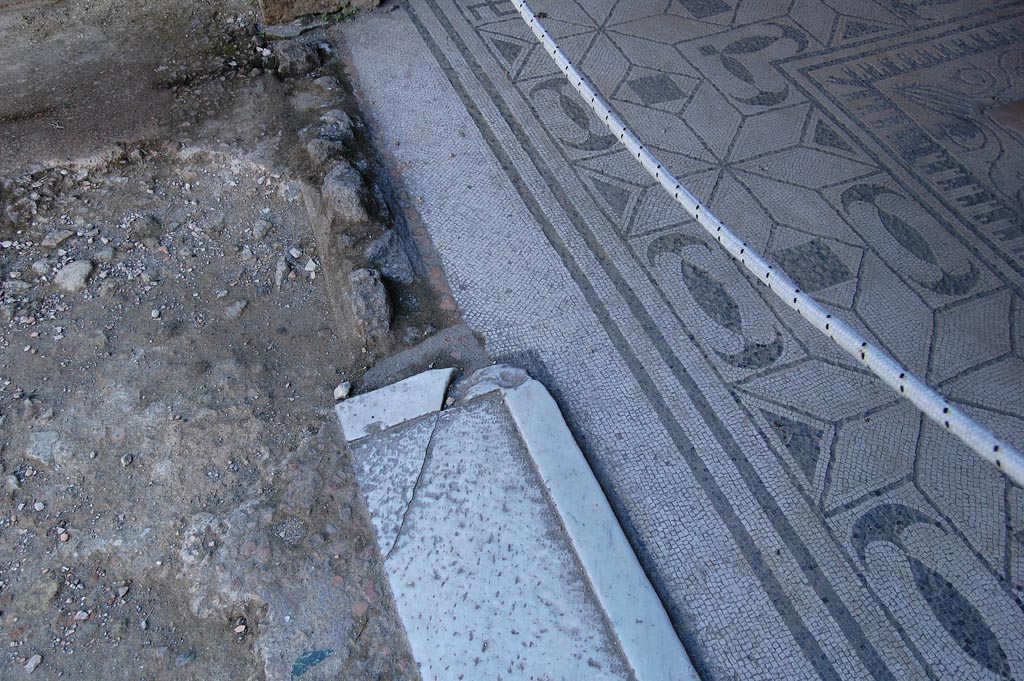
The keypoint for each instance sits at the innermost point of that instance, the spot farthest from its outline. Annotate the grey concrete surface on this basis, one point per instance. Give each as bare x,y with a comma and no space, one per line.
503,554
796,517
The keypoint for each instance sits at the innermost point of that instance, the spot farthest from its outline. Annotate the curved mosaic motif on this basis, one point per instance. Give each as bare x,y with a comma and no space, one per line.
950,284
954,612
595,136
715,300
752,49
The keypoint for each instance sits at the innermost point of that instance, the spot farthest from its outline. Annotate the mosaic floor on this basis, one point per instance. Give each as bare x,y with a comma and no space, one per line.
798,519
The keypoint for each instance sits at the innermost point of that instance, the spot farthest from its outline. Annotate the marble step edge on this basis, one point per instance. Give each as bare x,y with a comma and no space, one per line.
634,611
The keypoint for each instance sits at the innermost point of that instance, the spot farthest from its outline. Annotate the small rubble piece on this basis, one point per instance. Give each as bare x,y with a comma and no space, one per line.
146,227
235,309
214,223
280,272
42,595
187,657
42,445
339,122
342,391
55,238
21,210
108,289
388,255
126,459
32,663
342,190
370,303
327,83
296,58
72,277
151,274
290,191
261,229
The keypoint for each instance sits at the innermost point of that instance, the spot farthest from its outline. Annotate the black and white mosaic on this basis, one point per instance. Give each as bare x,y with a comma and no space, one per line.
798,519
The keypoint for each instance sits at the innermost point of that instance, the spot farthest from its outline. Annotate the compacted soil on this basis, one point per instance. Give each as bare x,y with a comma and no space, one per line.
174,499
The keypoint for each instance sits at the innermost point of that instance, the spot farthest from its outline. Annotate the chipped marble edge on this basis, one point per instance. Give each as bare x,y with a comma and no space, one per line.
393,405
638,618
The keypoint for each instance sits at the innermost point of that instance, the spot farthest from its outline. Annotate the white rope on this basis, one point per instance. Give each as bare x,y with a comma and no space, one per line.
981,440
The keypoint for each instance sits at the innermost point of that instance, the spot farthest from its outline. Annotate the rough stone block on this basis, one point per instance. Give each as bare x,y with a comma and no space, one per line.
296,58
342,190
387,253
370,303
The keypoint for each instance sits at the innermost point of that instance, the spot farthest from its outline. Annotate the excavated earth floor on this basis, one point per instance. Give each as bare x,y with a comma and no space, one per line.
175,501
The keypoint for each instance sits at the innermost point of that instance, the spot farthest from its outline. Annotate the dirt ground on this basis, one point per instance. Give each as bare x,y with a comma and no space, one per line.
176,502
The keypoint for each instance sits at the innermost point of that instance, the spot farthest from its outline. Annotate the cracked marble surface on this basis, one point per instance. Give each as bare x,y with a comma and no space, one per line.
478,533
503,555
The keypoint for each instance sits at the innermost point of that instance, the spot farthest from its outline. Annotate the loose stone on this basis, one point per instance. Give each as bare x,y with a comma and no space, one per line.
235,309
73,276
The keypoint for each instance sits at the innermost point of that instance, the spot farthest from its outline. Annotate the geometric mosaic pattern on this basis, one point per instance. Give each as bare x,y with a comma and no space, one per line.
797,518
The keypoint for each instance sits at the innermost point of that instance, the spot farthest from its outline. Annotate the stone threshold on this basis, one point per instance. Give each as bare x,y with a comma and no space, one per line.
503,554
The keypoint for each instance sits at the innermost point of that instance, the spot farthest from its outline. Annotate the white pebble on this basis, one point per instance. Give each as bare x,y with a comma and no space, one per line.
342,391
